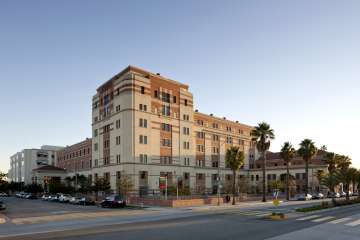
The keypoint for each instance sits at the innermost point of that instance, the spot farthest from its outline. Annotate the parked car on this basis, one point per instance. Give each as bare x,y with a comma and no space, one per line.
64,198
334,195
113,202
21,194
74,200
303,197
2,194
2,206
317,196
342,194
31,196
355,194
54,198
85,201
45,197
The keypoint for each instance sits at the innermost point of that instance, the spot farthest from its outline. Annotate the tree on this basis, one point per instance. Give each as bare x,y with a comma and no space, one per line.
343,162
307,151
330,181
319,175
331,159
287,153
234,159
346,176
84,183
262,135
4,185
275,185
34,188
124,185
101,185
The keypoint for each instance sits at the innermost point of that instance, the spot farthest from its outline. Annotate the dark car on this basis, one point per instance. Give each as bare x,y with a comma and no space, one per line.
113,202
31,196
2,206
85,201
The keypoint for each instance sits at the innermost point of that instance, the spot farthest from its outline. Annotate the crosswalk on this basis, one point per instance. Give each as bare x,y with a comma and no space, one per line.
347,221
250,213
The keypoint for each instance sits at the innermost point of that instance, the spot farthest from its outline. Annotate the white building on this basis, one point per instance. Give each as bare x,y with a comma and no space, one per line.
23,163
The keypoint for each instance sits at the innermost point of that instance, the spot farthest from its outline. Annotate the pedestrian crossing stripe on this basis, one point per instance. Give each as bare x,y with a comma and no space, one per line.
323,219
353,224
340,220
251,213
308,217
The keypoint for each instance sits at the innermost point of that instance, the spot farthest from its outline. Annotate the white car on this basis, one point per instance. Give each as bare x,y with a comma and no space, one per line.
65,198
303,197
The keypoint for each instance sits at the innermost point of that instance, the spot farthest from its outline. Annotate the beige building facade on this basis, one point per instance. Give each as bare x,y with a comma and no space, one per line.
145,126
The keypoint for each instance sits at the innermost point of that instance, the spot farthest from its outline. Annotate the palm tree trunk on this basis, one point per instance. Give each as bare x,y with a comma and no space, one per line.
347,191
234,188
287,181
307,176
264,177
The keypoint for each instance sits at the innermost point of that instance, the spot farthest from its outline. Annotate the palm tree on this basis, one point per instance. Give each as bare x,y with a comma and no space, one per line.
331,159
234,159
262,135
343,162
345,176
330,181
307,151
287,153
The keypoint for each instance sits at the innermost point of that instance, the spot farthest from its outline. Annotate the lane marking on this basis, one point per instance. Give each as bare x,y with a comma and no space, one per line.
354,223
323,219
308,217
340,220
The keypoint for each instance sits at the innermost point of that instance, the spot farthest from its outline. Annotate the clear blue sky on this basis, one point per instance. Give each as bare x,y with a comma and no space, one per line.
294,64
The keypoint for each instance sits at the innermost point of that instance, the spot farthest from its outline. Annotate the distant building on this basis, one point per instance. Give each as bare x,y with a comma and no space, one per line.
22,163
76,159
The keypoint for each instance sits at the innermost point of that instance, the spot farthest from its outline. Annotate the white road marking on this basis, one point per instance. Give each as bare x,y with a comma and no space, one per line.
323,219
354,223
340,220
308,217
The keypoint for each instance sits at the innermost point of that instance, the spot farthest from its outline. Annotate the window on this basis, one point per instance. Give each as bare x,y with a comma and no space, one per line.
118,175
142,90
118,140
187,161
143,158
228,129
200,148
174,99
241,142
257,177
142,139
186,145
118,158
143,123
165,127
156,94
215,150
143,107
200,122
166,142
95,147
165,160
95,133
241,131
186,131
252,177
229,140
186,117
96,119
118,108
215,137
96,163
165,110
118,124
185,102
165,97
200,135
215,125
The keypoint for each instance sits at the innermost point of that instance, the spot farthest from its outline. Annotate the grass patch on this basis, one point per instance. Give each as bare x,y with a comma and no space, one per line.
325,205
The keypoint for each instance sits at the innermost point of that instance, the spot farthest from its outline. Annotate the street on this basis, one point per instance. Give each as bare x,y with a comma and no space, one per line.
240,222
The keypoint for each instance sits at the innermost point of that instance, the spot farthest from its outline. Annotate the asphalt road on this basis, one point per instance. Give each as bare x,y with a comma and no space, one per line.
228,224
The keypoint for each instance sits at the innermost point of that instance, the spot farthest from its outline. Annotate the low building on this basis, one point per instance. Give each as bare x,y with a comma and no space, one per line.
276,170
45,174
22,163
76,159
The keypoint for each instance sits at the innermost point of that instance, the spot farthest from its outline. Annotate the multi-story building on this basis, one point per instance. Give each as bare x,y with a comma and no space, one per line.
23,163
276,170
76,159
144,126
